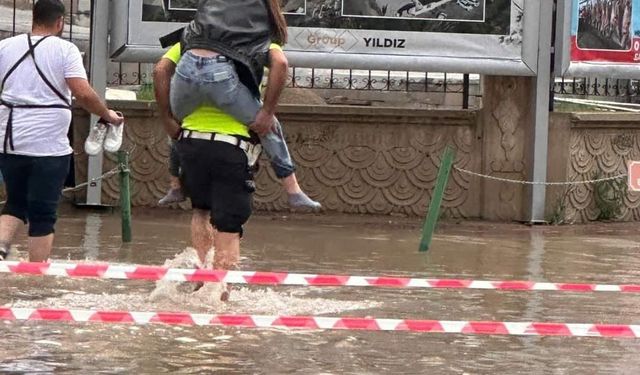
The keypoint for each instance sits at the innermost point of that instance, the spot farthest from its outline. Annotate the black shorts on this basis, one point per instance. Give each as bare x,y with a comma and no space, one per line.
217,178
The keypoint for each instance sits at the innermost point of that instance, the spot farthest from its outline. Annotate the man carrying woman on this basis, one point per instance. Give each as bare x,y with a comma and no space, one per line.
230,81
214,94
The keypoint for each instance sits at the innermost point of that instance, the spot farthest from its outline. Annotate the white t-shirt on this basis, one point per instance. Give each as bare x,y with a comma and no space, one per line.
38,131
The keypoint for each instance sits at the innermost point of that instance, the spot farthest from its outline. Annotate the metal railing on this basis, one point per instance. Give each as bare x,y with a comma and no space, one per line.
380,80
15,18
623,90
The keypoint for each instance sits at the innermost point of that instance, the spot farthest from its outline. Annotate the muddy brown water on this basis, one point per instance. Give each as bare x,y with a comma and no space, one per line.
604,253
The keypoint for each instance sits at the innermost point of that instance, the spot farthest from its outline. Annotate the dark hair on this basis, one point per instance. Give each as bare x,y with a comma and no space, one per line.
279,24
47,12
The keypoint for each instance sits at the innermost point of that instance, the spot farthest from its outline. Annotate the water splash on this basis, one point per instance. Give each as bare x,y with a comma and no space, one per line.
183,293
180,296
255,300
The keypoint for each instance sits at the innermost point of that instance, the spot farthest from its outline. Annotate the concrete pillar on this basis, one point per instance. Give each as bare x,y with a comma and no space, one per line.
507,123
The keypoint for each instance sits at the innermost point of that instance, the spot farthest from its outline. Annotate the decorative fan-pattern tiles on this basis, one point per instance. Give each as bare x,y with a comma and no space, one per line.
373,166
603,153
385,161
352,163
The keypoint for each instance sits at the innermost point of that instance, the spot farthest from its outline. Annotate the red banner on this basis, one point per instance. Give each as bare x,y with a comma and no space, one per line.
596,55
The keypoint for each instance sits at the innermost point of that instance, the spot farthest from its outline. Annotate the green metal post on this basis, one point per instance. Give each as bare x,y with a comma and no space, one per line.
436,200
125,196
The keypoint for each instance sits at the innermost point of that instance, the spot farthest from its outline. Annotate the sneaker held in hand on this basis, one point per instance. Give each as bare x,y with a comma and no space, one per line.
113,140
95,140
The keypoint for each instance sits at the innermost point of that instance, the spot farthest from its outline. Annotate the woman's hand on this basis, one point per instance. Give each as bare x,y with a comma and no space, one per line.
264,123
171,126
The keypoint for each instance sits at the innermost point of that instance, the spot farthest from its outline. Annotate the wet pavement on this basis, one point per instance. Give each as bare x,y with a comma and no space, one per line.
602,253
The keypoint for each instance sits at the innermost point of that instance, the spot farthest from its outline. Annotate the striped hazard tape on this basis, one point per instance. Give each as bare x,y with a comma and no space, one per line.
324,323
136,272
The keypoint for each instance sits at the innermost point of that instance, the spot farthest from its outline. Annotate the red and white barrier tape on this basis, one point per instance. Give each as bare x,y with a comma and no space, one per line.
325,323
106,271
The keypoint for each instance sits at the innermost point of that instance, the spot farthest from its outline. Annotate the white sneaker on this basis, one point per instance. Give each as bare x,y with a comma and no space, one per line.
95,140
113,141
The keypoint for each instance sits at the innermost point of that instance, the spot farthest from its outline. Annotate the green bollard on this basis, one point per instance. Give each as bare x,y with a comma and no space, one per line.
125,196
436,200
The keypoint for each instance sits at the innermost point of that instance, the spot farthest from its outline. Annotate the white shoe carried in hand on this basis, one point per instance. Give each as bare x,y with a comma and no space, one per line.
95,140
113,141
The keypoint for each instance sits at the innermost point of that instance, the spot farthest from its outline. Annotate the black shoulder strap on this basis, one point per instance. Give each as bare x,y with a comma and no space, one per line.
8,135
32,49
21,59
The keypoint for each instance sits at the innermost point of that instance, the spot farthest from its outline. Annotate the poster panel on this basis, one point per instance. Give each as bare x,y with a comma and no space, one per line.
475,36
601,37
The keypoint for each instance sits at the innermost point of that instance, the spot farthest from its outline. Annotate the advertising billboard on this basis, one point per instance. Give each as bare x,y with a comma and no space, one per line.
600,37
474,36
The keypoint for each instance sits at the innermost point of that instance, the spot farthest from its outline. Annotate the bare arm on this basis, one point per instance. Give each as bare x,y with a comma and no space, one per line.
88,99
162,74
278,71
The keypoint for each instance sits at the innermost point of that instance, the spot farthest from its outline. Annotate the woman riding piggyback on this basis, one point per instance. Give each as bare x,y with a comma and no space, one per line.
241,30
225,51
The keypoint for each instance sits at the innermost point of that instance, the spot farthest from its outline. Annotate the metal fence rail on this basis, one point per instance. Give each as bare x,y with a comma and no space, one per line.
624,90
382,80
15,18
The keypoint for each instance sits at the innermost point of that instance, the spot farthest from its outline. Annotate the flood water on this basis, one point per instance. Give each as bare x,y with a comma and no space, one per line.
606,254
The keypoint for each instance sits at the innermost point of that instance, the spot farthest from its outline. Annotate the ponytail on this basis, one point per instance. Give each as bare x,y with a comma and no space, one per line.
279,24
